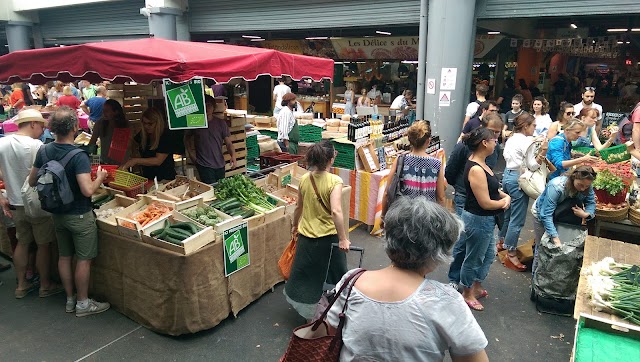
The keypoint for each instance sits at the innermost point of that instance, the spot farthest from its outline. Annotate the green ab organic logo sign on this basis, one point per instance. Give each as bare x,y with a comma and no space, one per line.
236,248
185,104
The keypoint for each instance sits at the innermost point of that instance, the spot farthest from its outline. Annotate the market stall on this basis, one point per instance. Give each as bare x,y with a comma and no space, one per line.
179,257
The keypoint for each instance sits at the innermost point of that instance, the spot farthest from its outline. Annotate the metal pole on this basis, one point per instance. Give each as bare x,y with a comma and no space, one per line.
18,36
422,60
450,44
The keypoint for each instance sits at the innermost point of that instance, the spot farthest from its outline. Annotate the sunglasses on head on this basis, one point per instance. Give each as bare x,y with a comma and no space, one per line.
585,173
591,89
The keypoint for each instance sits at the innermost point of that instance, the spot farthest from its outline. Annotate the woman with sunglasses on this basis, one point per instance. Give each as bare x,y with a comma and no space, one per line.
559,153
543,120
577,184
565,115
474,251
515,155
589,137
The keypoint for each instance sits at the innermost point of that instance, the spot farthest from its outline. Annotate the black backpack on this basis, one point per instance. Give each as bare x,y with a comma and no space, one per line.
54,191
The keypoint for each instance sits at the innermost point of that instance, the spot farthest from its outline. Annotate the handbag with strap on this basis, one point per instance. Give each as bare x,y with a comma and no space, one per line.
532,182
315,190
393,191
31,202
316,341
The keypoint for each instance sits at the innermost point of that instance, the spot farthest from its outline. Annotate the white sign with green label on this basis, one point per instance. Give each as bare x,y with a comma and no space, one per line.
185,104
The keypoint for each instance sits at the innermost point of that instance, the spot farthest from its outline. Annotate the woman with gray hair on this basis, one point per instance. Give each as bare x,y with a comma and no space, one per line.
396,313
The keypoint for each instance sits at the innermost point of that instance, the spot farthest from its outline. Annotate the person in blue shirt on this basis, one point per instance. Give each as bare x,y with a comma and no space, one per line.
577,184
93,106
559,153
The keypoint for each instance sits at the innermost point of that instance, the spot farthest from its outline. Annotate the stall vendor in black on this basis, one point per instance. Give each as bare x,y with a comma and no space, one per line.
155,147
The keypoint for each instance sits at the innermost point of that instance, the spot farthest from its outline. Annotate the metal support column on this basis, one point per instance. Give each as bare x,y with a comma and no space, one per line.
18,35
450,44
422,60
162,21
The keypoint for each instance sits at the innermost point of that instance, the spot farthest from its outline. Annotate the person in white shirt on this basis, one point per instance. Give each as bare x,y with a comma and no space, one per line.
278,92
543,120
288,134
481,93
374,94
516,157
588,97
403,102
17,154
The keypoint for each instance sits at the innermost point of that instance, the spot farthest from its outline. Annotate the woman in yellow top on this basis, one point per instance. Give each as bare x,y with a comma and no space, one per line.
319,223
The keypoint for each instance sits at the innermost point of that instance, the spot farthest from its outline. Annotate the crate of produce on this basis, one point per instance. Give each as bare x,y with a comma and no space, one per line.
186,190
179,234
106,212
288,196
200,212
141,215
615,154
268,159
111,172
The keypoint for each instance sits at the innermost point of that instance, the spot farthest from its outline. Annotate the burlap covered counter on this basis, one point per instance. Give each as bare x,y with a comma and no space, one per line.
176,294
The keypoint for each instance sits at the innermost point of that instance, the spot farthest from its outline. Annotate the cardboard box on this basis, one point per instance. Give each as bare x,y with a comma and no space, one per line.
109,224
136,231
189,245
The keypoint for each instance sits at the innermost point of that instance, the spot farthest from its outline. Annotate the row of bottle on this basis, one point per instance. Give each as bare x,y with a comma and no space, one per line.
394,130
389,130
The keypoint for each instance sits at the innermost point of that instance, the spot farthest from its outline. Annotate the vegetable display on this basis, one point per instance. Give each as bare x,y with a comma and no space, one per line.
105,214
175,233
615,288
204,215
154,211
102,200
240,191
177,183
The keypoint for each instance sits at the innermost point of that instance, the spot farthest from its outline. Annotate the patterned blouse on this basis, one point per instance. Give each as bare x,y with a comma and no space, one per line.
419,176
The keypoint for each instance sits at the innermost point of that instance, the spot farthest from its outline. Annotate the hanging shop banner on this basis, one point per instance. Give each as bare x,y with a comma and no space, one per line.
185,104
236,248
484,44
286,46
387,48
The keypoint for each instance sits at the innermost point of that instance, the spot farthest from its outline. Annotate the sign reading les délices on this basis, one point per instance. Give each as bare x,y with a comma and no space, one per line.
185,104
236,248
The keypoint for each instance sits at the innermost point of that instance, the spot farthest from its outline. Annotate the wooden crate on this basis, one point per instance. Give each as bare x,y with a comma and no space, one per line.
203,190
136,232
290,191
109,224
239,140
227,220
189,245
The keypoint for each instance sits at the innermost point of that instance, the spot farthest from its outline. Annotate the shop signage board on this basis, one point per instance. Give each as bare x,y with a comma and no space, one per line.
236,248
185,104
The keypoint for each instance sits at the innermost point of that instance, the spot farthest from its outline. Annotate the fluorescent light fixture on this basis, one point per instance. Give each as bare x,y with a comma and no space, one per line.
574,26
627,42
635,29
383,32
259,39
215,41
619,42
317,38
409,62
493,32
617,30
251,37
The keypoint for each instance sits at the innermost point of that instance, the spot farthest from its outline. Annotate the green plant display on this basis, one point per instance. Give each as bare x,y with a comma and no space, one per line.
607,181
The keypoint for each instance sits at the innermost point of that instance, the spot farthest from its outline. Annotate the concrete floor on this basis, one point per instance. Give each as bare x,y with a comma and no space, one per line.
38,329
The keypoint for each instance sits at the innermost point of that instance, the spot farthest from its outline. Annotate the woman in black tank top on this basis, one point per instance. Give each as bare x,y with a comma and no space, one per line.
475,251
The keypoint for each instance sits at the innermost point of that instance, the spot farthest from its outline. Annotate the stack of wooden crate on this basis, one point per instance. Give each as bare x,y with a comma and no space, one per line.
133,98
238,132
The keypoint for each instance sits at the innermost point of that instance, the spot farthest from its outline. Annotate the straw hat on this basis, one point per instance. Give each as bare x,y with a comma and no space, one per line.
288,97
30,115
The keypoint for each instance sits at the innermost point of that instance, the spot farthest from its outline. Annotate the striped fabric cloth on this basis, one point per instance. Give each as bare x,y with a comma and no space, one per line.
419,176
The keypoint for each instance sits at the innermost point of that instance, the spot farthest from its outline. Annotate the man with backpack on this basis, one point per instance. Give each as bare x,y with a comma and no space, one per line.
17,153
481,93
62,174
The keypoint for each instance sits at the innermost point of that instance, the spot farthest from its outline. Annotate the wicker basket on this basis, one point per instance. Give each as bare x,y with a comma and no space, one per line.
634,216
612,215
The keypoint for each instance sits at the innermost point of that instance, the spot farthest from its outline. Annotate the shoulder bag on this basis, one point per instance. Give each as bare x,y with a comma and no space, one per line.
315,190
393,191
316,341
531,182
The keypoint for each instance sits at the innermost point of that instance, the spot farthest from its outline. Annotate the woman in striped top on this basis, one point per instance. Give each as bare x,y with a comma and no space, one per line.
422,175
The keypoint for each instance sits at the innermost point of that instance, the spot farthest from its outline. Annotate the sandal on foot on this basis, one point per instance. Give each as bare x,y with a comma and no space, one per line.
483,294
53,290
519,267
475,305
21,293
500,247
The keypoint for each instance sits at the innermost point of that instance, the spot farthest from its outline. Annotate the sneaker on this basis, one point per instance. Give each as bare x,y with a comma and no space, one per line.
92,308
70,307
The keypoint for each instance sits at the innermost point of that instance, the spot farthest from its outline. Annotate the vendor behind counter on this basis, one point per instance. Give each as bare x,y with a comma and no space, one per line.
156,146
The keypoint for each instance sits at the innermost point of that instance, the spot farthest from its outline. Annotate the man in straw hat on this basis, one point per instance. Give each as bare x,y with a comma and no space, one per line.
17,153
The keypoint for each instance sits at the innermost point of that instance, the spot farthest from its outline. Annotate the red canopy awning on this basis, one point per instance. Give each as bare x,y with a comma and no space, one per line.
146,60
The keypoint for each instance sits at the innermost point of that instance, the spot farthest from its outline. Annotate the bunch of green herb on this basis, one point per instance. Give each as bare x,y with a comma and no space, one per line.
243,189
607,181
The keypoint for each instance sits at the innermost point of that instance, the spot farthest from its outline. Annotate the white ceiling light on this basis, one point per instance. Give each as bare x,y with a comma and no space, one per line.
383,32
635,29
619,42
493,32
251,37
259,39
574,26
215,41
617,30
317,37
